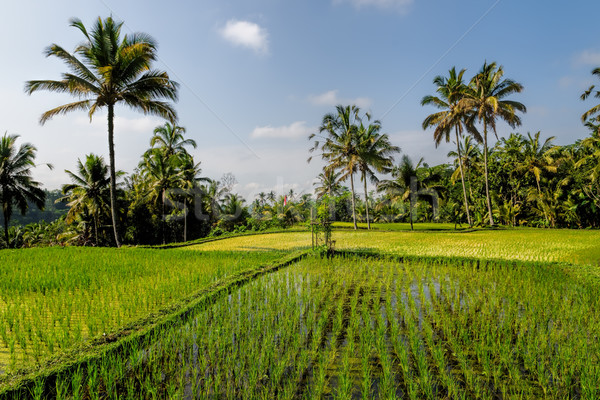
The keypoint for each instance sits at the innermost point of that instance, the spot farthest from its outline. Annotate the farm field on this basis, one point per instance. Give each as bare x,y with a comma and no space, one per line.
53,298
365,328
542,245
424,314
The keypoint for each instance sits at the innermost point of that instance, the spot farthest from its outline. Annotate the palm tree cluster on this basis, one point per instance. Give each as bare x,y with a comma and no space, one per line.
518,180
17,188
482,101
352,144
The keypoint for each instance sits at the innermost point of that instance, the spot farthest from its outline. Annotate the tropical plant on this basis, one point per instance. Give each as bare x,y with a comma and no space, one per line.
375,154
328,184
485,97
403,185
17,187
452,118
110,70
592,116
90,191
169,138
339,147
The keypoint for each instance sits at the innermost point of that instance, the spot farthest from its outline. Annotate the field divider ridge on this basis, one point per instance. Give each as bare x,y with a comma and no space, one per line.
177,313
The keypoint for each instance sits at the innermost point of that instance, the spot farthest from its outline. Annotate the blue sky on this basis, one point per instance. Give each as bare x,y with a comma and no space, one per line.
257,76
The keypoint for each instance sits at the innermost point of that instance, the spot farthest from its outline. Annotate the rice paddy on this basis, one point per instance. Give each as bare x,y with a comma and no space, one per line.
51,299
421,315
540,245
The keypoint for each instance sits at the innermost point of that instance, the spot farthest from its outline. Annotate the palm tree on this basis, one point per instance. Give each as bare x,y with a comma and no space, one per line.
89,192
161,174
537,157
328,183
189,180
169,137
374,154
484,97
17,188
401,187
470,158
451,90
592,116
110,70
339,147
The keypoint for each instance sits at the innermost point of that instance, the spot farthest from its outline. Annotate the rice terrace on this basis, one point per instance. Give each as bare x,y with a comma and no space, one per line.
375,267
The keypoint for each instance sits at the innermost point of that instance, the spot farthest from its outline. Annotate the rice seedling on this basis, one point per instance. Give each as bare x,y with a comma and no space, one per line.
352,327
55,298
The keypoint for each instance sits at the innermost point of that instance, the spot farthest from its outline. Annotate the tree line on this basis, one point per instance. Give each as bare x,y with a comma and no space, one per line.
519,180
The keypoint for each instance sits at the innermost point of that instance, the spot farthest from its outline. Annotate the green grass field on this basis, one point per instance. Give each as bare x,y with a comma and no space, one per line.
544,245
434,327
53,298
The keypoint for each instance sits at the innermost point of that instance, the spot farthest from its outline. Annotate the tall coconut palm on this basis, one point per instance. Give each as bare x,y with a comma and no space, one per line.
484,97
162,175
189,180
328,183
537,157
110,70
401,187
169,137
339,147
451,118
470,158
17,188
375,154
90,191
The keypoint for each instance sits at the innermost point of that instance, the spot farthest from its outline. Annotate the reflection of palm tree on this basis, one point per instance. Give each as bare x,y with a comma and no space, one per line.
16,186
451,90
89,192
484,97
339,148
111,70
399,188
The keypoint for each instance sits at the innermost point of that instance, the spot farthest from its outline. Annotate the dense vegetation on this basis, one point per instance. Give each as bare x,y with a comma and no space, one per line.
520,180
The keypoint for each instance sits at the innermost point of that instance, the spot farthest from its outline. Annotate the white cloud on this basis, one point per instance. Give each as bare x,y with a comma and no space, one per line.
331,98
246,34
588,57
295,130
400,6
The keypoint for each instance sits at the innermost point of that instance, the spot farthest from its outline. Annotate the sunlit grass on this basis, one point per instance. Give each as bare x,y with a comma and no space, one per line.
580,247
53,298
378,329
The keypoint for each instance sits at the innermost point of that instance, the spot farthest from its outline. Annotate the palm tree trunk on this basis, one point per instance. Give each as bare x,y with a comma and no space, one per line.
366,201
96,228
410,210
113,177
485,169
185,220
6,218
462,178
164,218
353,206
540,195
